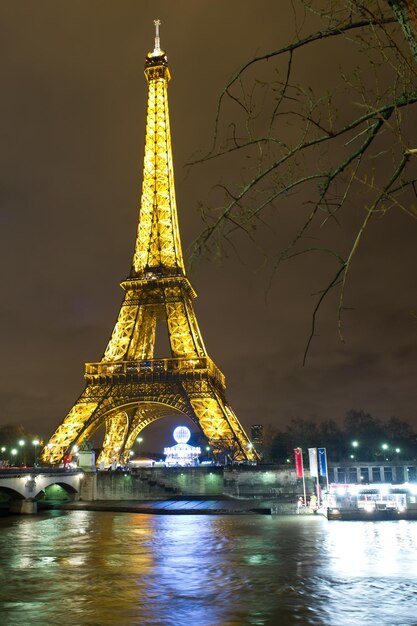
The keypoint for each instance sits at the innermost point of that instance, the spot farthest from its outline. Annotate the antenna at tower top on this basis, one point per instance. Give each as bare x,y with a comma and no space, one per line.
157,49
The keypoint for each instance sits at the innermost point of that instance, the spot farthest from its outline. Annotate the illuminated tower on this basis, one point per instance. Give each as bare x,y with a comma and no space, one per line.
130,388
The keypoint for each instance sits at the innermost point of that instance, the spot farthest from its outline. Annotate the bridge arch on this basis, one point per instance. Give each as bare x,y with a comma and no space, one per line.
10,493
31,483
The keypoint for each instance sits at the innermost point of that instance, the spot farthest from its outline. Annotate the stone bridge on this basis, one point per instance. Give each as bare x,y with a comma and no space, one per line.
23,487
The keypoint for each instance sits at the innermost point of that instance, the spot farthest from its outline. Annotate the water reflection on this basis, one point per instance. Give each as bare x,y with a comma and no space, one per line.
368,548
127,569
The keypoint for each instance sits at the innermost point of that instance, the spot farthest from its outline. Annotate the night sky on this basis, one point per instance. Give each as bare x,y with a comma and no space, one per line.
72,121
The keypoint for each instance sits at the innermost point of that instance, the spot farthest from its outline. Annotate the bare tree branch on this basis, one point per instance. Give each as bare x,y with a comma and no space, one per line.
335,145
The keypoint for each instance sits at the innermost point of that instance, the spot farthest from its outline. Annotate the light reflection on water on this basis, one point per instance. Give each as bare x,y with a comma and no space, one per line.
122,569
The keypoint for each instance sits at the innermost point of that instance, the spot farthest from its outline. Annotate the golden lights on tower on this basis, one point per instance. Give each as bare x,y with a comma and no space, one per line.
130,387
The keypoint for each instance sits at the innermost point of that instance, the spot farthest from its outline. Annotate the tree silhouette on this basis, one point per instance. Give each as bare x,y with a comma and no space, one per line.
362,437
318,146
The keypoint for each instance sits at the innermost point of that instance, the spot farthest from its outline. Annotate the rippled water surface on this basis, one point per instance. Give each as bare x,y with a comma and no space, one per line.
120,569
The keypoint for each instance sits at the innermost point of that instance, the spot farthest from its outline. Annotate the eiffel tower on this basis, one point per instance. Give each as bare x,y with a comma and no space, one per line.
130,388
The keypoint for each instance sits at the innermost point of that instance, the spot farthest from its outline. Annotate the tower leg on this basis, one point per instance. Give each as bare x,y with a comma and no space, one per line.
77,425
221,426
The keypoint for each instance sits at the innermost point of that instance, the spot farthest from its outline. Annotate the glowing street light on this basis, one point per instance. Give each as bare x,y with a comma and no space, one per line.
21,443
139,439
13,452
35,443
355,444
384,446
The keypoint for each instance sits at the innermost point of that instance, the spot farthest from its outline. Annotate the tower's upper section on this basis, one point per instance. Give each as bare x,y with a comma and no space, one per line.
158,246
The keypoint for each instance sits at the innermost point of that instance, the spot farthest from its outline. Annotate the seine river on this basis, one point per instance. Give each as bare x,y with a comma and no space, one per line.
120,569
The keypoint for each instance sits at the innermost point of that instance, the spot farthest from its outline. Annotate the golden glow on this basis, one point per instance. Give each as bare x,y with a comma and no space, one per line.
129,389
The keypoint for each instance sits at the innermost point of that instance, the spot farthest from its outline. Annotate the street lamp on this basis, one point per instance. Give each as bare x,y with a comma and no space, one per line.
385,447
21,443
139,440
35,461
355,444
13,452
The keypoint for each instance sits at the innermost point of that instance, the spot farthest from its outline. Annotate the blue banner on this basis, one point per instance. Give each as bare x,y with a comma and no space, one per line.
322,461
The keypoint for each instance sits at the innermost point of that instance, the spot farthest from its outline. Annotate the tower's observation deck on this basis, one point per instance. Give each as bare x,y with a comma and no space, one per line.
131,386
155,370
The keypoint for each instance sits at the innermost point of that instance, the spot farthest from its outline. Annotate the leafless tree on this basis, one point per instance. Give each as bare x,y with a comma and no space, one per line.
322,145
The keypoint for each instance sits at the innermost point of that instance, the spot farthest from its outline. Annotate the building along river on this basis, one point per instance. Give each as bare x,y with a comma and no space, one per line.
109,568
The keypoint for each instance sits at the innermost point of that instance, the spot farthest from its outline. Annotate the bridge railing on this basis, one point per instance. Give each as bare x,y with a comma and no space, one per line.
20,471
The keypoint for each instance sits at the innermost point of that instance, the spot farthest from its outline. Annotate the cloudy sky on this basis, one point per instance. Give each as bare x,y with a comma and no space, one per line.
72,119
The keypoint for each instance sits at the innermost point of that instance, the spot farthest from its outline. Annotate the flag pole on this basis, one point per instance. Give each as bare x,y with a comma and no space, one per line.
299,468
323,469
304,480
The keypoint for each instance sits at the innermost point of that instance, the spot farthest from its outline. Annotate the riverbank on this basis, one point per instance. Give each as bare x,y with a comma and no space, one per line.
177,506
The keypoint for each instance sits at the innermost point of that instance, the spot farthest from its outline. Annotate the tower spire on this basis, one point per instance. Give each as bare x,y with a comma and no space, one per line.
157,50
158,247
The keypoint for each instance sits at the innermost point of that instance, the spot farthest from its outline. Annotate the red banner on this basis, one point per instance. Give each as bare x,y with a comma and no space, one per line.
298,455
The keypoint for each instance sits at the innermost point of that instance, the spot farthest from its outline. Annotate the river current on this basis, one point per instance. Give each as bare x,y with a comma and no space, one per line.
84,568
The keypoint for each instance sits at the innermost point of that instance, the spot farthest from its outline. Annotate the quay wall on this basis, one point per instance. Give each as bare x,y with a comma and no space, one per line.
273,482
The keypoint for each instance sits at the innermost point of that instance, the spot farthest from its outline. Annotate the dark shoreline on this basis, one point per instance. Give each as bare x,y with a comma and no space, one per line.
165,507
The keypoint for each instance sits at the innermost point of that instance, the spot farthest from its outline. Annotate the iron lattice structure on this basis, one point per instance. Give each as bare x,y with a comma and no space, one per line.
130,388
